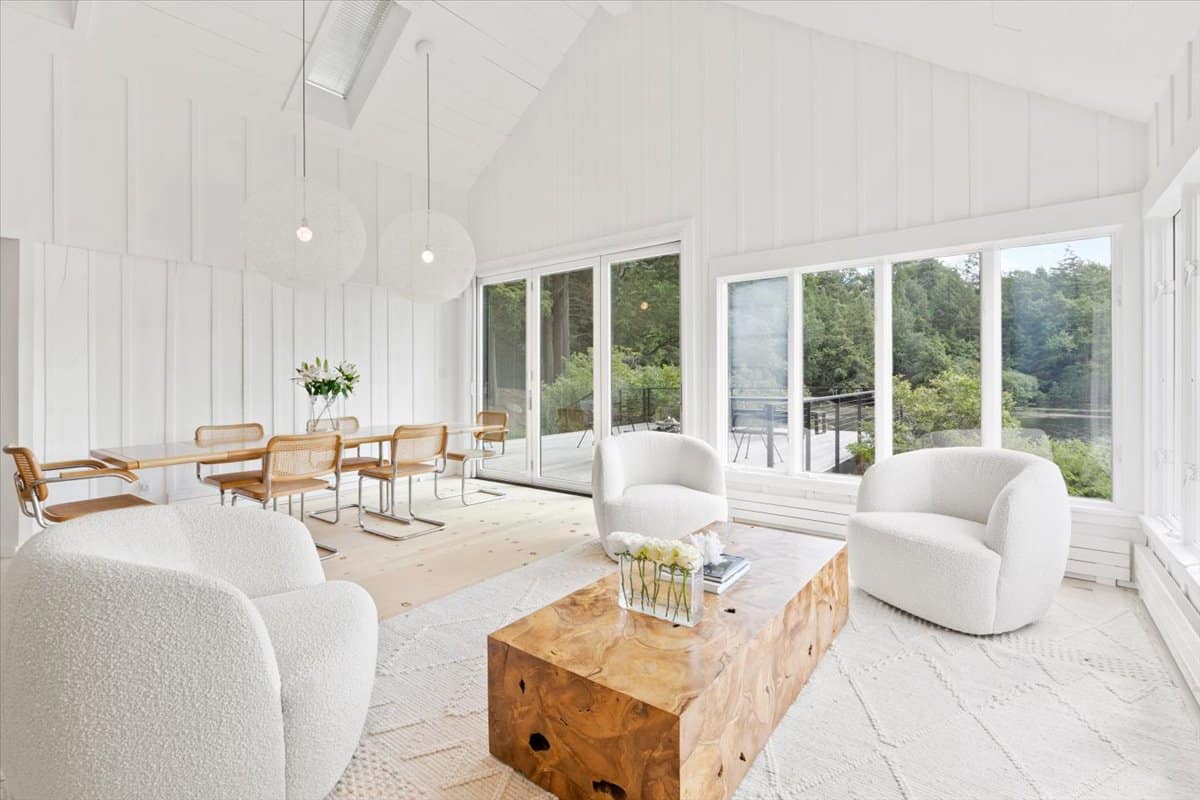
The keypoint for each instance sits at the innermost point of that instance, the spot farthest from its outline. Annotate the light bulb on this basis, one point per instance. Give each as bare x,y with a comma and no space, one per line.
304,233
427,256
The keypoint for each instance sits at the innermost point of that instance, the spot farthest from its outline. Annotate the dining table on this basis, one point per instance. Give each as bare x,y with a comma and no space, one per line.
170,454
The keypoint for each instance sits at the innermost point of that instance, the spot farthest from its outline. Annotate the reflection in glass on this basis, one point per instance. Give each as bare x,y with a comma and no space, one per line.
1057,356
646,387
758,373
935,352
504,366
839,370
567,432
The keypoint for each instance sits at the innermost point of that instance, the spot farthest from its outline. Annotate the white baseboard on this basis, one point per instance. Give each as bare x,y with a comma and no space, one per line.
1177,620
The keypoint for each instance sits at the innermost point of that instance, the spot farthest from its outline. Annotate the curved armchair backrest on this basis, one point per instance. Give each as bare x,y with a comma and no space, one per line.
122,642
959,482
646,457
219,542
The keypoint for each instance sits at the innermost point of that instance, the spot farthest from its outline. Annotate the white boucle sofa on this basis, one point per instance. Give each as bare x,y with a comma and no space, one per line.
180,651
656,484
973,539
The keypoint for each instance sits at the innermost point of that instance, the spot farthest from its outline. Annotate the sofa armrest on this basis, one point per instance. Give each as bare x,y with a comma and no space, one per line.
124,680
608,473
1030,527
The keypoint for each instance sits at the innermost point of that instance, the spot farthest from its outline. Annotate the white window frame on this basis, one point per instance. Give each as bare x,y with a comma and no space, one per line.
600,255
991,367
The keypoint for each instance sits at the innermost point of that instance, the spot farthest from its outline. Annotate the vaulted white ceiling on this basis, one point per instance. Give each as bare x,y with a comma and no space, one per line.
1110,55
490,61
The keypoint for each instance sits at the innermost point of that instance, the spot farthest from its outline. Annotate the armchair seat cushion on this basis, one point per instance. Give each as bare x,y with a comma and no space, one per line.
324,638
932,565
665,510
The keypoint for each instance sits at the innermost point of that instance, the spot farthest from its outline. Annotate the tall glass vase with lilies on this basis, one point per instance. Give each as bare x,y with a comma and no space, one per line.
659,577
324,385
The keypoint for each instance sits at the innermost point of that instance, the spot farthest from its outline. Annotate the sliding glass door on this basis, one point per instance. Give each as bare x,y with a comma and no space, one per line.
577,352
566,376
503,369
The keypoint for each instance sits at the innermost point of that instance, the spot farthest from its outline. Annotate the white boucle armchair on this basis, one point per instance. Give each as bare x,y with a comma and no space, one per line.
974,539
656,484
176,651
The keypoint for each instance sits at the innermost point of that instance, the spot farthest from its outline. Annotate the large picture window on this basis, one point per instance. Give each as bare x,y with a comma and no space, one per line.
1005,345
935,353
758,373
1056,302
839,370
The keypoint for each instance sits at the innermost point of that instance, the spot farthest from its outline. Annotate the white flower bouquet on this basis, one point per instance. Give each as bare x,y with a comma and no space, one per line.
660,577
324,385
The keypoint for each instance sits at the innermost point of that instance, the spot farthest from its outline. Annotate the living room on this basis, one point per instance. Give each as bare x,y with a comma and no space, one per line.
603,399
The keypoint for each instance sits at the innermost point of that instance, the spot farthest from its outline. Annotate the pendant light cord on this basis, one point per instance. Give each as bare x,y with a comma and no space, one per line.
303,93
428,151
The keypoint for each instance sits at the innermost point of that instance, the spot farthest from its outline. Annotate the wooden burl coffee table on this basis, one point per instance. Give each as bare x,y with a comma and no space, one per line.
590,701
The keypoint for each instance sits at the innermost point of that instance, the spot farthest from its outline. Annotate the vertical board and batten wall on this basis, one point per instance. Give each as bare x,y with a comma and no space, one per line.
771,135
146,322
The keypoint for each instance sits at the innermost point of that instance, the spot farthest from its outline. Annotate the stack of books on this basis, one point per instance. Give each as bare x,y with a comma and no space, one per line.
725,573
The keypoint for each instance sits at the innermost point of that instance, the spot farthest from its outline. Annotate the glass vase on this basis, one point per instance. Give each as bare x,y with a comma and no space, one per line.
320,413
660,590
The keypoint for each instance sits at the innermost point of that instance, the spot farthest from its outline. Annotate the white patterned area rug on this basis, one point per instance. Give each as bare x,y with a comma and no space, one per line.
1079,705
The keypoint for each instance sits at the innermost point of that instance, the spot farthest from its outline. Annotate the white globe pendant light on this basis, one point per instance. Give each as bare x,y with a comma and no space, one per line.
427,255
303,233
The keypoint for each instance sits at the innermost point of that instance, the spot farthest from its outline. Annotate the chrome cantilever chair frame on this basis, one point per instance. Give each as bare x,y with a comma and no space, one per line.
465,458
387,510
346,425
32,485
294,443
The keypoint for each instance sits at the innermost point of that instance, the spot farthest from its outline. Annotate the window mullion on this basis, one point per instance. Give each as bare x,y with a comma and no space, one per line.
795,392
991,355
883,361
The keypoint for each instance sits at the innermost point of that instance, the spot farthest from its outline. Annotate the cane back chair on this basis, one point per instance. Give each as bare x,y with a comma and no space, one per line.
480,453
351,463
33,487
209,435
295,464
414,450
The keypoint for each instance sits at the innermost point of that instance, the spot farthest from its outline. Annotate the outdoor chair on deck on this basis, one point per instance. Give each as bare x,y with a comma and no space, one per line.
33,487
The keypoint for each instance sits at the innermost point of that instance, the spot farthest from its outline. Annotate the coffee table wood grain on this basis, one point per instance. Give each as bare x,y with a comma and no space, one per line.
590,701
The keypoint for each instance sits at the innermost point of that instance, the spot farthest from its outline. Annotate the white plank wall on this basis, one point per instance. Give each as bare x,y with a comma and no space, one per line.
134,350
771,135
127,200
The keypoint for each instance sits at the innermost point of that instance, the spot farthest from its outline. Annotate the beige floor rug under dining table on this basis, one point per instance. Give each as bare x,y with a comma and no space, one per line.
1080,705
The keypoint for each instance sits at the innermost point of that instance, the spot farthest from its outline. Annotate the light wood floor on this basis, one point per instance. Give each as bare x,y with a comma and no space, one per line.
477,543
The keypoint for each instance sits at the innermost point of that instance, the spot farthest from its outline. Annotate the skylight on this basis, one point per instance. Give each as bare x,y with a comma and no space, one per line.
340,51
